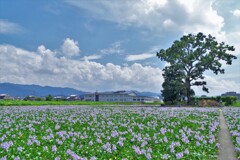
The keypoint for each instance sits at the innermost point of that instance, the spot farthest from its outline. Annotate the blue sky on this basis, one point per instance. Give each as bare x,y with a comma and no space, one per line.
109,45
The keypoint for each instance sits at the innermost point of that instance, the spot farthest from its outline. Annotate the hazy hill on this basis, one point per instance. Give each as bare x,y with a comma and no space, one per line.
20,90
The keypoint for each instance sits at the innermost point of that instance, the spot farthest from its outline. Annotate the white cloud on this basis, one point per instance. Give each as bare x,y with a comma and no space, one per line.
218,86
7,27
45,52
92,57
236,12
187,15
114,49
207,22
168,23
159,16
142,56
232,39
70,48
45,68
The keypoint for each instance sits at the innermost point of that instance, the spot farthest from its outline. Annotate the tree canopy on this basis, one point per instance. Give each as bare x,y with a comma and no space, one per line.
190,57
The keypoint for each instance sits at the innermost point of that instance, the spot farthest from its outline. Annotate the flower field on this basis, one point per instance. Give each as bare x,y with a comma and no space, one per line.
232,116
74,132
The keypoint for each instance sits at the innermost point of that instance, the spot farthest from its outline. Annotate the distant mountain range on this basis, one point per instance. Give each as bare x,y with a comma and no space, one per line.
20,90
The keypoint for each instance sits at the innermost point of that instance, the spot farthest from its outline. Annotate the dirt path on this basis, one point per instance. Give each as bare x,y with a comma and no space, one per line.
226,151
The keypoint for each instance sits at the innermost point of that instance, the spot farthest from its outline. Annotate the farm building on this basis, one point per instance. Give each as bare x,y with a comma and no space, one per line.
73,98
5,97
118,96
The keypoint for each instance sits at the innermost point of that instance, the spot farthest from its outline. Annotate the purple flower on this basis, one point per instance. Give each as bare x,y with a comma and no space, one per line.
70,134
91,143
149,150
4,158
143,151
238,140
17,158
57,127
165,139
99,140
138,151
114,133
54,148
93,158
114,147
73,139
109,150
148,156
186,151
6,145
20,149
197,143
57,158
165,156
105,147
144,143
163,130
29,142
172,148
179,155
69,152
120,143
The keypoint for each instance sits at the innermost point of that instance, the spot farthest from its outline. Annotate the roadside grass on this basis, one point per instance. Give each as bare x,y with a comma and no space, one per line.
41,103
236,104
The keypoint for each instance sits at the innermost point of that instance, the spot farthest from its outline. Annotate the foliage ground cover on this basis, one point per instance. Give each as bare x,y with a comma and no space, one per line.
74,132
236,104
232,116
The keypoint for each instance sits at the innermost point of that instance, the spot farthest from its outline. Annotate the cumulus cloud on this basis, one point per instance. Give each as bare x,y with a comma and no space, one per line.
218,86
236,12
159,16
70,48
7,27
45,52
45,68
143,56
185,16
208,22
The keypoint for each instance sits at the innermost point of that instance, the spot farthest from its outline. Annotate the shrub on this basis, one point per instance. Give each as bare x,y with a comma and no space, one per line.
208,103
229,100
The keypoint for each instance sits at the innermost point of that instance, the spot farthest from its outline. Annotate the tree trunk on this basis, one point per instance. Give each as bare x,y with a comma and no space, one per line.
188,90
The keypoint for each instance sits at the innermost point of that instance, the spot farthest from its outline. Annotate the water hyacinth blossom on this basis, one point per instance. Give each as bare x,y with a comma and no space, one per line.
74,132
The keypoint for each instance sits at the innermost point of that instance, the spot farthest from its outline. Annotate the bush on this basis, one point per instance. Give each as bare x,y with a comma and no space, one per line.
229,100
208,103
49,97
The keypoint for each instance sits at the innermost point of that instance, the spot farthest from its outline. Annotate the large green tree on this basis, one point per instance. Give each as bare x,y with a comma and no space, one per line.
173,86
192,55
